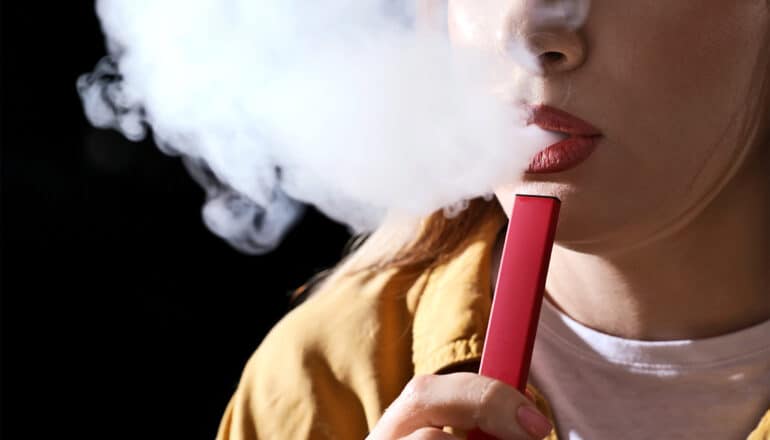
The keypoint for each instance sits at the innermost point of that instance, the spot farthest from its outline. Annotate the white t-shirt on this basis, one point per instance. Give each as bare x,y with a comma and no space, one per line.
604,387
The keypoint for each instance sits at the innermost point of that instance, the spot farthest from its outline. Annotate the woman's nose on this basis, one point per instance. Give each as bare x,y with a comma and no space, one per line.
556,51
553,46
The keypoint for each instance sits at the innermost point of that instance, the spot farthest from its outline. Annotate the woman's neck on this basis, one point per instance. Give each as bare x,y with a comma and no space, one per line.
707,279
710,278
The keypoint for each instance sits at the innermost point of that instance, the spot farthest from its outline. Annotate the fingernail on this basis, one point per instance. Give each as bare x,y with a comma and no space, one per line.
533,422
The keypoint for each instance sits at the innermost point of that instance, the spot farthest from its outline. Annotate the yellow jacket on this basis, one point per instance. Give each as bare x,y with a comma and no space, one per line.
330,368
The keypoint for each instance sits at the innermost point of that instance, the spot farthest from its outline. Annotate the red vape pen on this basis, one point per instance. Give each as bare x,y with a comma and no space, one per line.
519,293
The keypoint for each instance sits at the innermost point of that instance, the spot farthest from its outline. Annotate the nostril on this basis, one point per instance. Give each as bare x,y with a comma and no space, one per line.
555,50
552,58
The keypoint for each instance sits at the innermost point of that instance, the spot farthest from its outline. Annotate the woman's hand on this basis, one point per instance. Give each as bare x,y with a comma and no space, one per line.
461,400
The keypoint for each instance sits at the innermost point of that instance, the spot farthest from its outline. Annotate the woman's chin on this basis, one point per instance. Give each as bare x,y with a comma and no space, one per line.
586,223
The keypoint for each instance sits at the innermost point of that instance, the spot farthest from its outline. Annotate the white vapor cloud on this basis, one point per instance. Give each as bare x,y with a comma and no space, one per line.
341,104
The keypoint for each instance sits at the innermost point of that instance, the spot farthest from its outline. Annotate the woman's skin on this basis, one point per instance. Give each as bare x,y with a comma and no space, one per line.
665,229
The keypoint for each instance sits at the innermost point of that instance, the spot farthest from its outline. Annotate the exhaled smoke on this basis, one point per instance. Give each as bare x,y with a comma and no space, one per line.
342,104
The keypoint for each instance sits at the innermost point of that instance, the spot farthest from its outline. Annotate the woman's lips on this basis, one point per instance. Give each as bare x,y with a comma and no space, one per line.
581,140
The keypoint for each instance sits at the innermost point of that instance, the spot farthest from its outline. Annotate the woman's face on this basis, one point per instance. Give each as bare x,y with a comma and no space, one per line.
668,83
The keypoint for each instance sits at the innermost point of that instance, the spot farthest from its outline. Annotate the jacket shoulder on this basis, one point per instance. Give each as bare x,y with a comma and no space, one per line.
330,367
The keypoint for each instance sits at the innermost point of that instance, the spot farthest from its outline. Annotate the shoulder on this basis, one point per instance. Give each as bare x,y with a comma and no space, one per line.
331,366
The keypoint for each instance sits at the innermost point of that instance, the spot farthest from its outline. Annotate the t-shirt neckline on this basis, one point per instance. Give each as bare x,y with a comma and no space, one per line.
723,350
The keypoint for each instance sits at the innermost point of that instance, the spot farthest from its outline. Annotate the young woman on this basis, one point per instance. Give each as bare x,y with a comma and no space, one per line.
656,322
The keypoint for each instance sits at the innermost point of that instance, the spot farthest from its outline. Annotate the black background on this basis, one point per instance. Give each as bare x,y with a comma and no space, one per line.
122,316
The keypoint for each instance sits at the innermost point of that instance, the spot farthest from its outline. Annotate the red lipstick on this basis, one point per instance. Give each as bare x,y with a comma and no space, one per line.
581,140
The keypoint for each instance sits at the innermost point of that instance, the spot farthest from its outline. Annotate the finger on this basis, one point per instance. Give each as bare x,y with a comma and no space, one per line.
461,400
430,434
